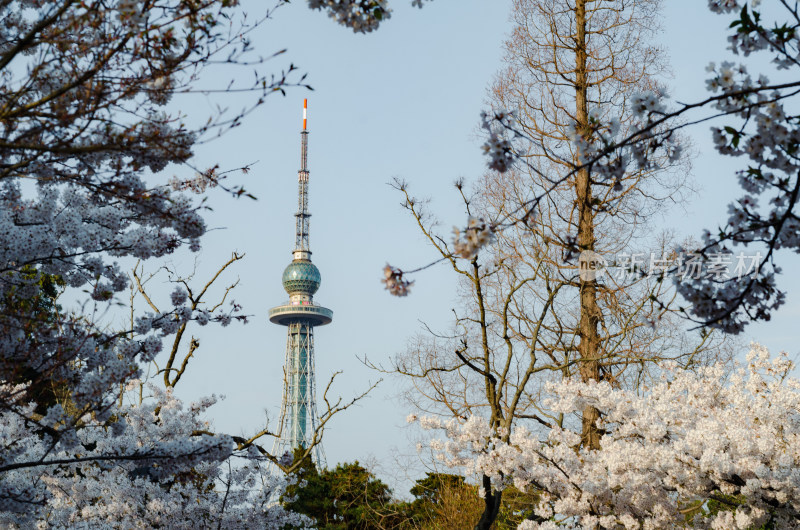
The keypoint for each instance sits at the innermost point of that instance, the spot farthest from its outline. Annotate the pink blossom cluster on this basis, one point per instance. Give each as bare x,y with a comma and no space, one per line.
362,16
477,234
498,147
689,438
159,467
394,282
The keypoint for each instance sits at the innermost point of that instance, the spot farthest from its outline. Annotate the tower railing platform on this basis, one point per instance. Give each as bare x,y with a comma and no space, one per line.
289,312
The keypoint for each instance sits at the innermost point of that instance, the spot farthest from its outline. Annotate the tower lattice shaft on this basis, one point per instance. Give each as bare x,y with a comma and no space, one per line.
299,420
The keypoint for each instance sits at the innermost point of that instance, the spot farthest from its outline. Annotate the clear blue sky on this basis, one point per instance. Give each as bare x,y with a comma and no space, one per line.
401,102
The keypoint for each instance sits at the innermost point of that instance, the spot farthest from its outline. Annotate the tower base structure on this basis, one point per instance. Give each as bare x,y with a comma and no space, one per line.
299,420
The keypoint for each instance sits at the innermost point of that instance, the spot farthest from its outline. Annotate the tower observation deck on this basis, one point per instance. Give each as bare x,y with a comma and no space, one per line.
301,280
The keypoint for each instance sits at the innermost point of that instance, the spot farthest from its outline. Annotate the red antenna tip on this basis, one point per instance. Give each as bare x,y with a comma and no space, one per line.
305,113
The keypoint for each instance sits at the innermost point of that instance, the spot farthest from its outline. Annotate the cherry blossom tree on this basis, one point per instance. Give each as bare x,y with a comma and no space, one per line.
86,129
708,448
158,467
84,123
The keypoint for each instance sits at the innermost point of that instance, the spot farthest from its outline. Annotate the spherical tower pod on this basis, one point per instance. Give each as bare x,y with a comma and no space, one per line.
301,277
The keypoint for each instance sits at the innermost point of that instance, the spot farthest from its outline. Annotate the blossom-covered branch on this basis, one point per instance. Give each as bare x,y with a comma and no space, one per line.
691,439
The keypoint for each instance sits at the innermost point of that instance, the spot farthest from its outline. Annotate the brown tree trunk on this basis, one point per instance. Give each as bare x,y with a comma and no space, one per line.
589,345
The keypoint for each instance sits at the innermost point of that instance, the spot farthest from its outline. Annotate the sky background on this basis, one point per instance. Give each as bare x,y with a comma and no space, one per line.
401,102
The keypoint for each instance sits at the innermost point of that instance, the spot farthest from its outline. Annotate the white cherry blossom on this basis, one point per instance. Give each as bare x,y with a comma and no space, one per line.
690,438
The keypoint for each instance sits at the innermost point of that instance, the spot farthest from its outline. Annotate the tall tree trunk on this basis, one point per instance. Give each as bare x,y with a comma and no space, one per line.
589,345
492,501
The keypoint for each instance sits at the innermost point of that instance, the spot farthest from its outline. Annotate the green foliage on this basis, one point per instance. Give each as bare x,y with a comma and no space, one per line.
350,497
31,307
517,506
429,489
444,501
719,502
344,498
430,494
40,306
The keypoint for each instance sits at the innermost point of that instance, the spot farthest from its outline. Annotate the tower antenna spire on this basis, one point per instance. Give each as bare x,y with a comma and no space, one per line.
301,279
303,217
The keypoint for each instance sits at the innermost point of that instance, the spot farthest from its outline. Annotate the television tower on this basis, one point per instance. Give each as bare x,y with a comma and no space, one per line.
300,314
